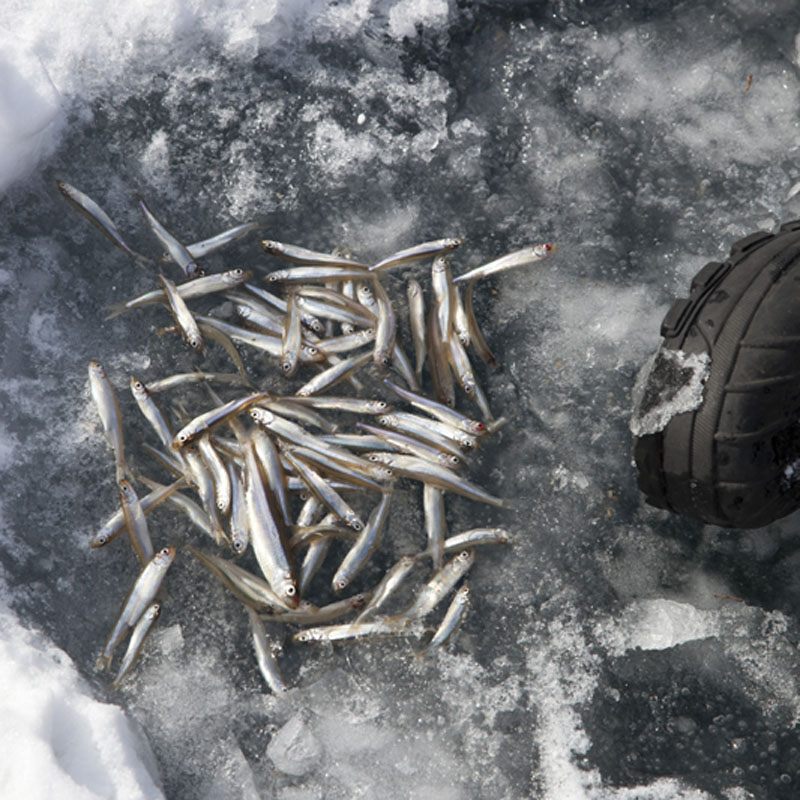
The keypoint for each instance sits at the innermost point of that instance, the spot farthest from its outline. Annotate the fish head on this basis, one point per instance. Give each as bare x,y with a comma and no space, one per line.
312,353
352,521
289,363
126,492
262,416
138,389
449,460
233,277
165,556
287,591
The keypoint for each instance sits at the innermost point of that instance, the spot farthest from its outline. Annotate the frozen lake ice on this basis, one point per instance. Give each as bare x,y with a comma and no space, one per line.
615,651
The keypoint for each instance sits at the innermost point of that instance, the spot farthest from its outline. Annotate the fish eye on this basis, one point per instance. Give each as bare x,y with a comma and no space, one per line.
286,366
312,351
341,584
182,437
238,545
374,458
479,426
272,278
290,591
238,272
356,525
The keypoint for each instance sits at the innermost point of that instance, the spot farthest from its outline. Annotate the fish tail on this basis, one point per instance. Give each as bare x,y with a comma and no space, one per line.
142,261
116,309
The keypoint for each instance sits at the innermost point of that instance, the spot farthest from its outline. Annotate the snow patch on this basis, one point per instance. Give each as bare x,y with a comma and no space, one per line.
670,383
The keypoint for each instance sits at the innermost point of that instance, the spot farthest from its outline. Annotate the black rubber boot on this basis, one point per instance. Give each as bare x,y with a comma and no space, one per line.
716,414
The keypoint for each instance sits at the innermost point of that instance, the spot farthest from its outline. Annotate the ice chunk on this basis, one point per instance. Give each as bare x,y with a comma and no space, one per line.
294,749
670,383
660,623
407,14
56,739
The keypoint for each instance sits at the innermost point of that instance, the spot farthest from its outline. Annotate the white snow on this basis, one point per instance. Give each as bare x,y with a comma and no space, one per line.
29,105
56,740
678,389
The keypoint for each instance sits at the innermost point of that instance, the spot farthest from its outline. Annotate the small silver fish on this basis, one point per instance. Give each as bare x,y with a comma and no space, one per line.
519,258
92,211
416,253
138,635
105,400
178,252
139,598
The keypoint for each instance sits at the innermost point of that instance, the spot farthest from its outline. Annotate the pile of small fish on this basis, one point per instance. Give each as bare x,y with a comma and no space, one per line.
333,317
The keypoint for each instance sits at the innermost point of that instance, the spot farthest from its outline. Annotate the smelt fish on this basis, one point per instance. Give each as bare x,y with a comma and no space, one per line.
138,635
86,206
519,258
105,400
300,255
267,663
196,287
416,315
416,253
476,537
335,633
214,243
388,585
265,536
366,544
136,522
139,598
116,523
183,316
439,586
217,416
179,254
456,612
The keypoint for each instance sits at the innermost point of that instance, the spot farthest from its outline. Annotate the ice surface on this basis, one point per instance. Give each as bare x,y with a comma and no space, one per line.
616,652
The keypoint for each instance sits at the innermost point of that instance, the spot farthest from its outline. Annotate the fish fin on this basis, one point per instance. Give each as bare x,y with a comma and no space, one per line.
142,261
116,309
